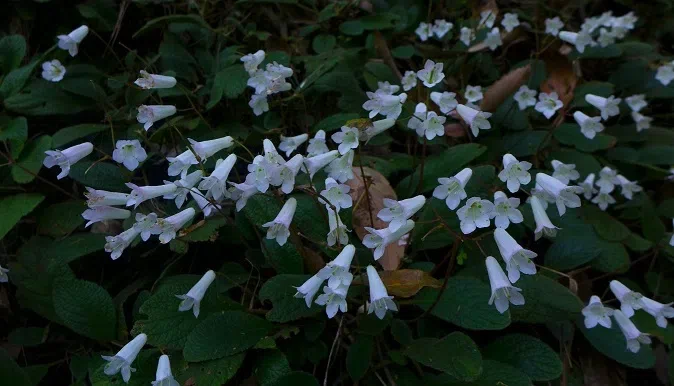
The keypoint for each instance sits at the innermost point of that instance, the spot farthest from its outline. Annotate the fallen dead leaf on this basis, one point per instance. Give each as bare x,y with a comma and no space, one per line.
405,283
561,79
365,213
313,261
507,85
455,130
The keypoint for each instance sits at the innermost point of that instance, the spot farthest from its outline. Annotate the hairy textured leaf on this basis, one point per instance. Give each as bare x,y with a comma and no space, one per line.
280,290
528,354
86,308
455,354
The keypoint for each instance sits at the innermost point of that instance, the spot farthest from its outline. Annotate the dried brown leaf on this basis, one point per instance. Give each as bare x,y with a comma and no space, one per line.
498,92
313,261
455,130
561,78
405,283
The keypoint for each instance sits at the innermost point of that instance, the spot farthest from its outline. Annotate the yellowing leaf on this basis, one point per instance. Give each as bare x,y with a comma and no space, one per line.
405,283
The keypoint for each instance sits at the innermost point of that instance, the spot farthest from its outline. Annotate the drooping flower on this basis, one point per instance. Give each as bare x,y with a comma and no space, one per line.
180,164
341,168
441,27
183,187
241,193
580,40
658,310
505,210
643,122
477,120
514,173
608,179
473,93
4,278
396,213
565,196
97,197
377,127
347,139
259,104
71,41
475,214
333,299
629,300
467,35
336,194
168,227
286,173
130,153
493,39
336,272
517,259
595,313
553,25
216,184
665,73
192,299
206,149
525,97
452,189
164,377
628,188
317,144
149,114
409,80
67,158
279,227
510,21
275,76
564,172
548,104
389,106
589,126
607,106
53,71
145,224
431,74
446,101
140,194
543,196
102,213
588,186
121,362
633,336
502,291
379,239
487,18
149,81
318,162
603,200
206,206
543,223
380,301
427,123
251,61
338,231
116,244
290,144
309,289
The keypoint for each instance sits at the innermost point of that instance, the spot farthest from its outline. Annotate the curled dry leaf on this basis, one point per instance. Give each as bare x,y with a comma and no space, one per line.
561,79
509,83
379,189
405,283
313,261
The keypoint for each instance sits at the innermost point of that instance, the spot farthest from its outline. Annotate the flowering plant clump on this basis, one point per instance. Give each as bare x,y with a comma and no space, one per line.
333,192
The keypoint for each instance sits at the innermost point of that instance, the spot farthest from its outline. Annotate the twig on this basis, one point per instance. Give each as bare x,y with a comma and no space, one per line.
332,350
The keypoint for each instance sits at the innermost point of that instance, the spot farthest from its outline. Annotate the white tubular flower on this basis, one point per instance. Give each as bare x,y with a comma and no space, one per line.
475,214
347,139
514,173
216,184
510,21
643,122
467,35
3,275
625,21
553,25
517,259
387,88
140,194
396,213
409,80
477,120
180,164
473,93
487,18
665,73
431,74
309,289
149,81
318,162
251,61
565,196
658,310
543,223
275,79
53,71
608,179
629,300
338,230
116,244
580,40
192,299
317,145
595,313
548,104
286,173
71,41
129,153
502,292
493,39
590,24
333,299
603,200
380,302
167,227
259,104
206,149
67,158
241,193
525,97
270,153
259,173
341,168
446,101
121,362
164,377
424,31
148,115
441,27
452,189
427,124
204,204
279,227
633,336
607,106
104,198
145,224
628,188
376,128
259,81
564,172
102,213
505,210
589,126
183,187
588,186
290,144
388,105
336,194
337,272
543,196
379,239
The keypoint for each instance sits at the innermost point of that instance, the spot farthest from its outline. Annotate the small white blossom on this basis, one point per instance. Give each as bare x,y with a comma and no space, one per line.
71,41
548,104
192,299
580,40
564,172
380,301
629,300
67,158
553,25
130,153
216,183
121,362
168,227
431,74
389,106
139,194
102,213
467,35
53,71
636,102
427,123
309,289
286,173
625,21
387,88
204,204
259,104
149,81
502,291
104,198
318,162
514,173
180,164
633,336
589,126
475,214
446,101
336,272
164,377
336,194
606,19
565,196
251,61
241,193
473,93
543,223
409,80
148,115
290,144
628,188
607,106
276,75
493,39
588,186
517,259
347,139
606,37
334,300
317,144
525,97
341,168
477,120
4,278
441,27
116,244
338,230
487,18
608,178
279,227
424,31
379,239
510,21
665,73
206,149
505,210
452,189
183,187
643,122
396,213
145,224
595,313
259,173
658,310
603,200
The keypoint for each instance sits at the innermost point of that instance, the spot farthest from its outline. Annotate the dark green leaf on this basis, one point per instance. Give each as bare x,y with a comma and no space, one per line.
86,308
569,134
546,301
69,134
359,355
456,354
270,366
230,82
10,372
528,354
323,43
602,89
27,336
12,51
102,175
61,219
30,160
334,122
280,290
210,373
13,208
164,20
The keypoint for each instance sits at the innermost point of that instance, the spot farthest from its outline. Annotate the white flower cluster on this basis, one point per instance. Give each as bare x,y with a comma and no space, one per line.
270,81
606,29
608,180
53,70
439,29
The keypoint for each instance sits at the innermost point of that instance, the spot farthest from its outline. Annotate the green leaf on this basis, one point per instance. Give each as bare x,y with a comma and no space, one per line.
102,175
464,302
71,133
15,80
573,248
14,129
359,355
206,232
525,143
12,52
224,334
606,225
493,374
75,246
30,160
546,301
280,290
27,336
261,209
657,155
637,243
86,308
598,52
323,43
270,366
165,20
145,365
42,98
636,48
11,373
284,259
653,228
585,163
455,354
528,354
613,258
210,373
569,134
334,122
445,164
230,82
403,52
13,208
352,27
61,219
297,378
602,89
